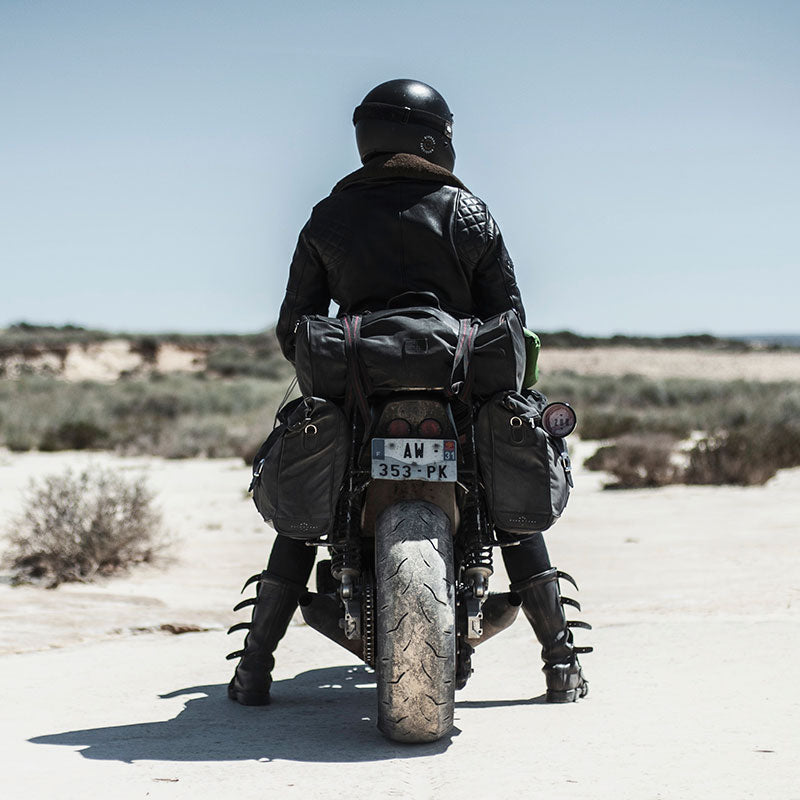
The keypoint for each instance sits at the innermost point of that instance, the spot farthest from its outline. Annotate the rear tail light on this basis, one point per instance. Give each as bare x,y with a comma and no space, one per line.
558,419
429,428
399,427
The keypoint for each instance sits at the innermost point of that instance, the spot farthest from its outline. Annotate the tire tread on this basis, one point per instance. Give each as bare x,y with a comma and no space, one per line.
416,626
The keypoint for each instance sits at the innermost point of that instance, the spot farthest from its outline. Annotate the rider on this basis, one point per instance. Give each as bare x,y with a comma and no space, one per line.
401,223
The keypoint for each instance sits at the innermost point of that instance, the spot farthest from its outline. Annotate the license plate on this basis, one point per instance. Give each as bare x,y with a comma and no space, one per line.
414,459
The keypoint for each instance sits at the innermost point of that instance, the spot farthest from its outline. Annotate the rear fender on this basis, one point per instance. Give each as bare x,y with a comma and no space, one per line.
382,494
413,407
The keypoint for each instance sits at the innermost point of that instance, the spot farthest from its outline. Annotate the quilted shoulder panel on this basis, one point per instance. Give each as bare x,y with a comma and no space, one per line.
331,238
474,228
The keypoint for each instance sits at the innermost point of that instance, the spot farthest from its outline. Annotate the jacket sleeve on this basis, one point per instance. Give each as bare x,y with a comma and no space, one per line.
307,292
482,251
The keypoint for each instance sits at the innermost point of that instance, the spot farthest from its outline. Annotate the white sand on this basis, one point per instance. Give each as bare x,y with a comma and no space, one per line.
694,594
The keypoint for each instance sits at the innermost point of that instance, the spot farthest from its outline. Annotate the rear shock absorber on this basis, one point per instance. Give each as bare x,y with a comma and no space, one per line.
476,536
345,548
346,544
478,563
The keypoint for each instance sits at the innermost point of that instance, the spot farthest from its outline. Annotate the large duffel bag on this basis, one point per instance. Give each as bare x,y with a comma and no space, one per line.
298,471
525,471
409,348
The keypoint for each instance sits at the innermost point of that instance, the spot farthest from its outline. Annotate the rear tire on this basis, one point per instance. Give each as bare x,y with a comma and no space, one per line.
416,630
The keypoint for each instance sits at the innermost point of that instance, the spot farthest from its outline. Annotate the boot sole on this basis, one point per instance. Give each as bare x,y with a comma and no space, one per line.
248,698
567,695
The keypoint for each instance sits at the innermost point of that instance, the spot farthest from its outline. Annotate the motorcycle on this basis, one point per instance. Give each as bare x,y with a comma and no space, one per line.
410,533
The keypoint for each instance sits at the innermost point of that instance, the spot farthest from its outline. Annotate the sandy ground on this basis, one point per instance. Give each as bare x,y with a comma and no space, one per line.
694,594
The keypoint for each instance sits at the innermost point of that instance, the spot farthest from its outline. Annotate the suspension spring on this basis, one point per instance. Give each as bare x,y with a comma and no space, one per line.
345,559
346,541
479,557
475,531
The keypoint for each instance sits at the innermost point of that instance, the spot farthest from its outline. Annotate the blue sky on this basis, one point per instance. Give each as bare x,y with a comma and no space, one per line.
157,159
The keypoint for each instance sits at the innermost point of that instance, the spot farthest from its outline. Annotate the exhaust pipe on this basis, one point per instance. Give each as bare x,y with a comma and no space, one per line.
322,612
499,611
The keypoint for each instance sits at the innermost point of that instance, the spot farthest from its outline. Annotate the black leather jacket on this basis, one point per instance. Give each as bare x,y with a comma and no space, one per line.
399,224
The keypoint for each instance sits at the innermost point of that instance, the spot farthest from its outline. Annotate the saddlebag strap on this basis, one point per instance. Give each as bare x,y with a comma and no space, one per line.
469,350
461,358
355,386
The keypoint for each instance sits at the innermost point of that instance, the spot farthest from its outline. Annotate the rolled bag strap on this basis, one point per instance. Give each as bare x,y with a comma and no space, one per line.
355,385
461,373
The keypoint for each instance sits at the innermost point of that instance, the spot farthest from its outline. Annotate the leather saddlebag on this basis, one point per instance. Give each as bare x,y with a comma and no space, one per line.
298,471
526,472
320,359
497,357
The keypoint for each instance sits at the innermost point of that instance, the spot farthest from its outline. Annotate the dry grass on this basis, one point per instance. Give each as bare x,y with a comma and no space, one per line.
175,416
226,411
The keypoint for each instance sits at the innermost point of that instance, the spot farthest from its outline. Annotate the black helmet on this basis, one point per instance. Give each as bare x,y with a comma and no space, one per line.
405,116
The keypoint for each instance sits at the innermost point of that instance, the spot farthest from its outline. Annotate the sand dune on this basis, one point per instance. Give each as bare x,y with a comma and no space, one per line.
103,361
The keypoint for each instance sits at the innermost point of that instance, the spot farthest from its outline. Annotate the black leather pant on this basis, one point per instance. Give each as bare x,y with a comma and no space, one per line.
293,560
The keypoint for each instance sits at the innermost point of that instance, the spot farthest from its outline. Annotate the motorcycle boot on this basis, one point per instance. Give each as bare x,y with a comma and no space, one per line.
273,606
544,607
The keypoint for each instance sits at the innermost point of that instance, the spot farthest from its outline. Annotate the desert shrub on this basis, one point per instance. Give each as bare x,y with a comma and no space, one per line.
237,359
606,424
76,527
701,340
783,441
20,441
746,457
147,347
73,435
249,450
639,461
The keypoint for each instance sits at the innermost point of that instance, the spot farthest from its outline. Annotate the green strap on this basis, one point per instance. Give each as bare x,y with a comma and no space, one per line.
532,349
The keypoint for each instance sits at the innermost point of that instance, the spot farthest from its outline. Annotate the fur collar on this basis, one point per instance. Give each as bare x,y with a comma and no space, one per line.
399,165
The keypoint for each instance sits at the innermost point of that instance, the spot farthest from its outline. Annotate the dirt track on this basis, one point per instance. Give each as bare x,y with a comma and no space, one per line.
693,593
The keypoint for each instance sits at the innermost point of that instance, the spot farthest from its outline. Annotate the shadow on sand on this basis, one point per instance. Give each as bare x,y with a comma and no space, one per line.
323,715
